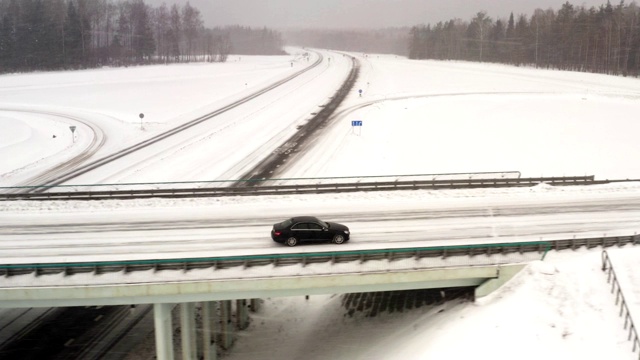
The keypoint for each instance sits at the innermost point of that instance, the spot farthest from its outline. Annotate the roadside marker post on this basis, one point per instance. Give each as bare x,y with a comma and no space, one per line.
73,133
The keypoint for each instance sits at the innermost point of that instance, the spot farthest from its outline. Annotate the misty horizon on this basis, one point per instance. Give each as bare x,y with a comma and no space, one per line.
358,14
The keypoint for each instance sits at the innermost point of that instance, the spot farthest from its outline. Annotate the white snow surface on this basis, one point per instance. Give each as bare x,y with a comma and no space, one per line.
419,117
560,308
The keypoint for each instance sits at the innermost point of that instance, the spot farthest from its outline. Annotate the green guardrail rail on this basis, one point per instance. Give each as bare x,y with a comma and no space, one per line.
543,246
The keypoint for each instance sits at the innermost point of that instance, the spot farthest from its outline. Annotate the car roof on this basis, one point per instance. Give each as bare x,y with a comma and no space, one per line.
298,219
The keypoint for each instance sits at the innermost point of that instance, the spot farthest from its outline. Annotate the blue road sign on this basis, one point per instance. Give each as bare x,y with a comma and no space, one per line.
356,123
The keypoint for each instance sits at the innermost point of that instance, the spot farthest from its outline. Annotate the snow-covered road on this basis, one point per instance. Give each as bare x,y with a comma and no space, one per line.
418,117
220,143
421,117
36,232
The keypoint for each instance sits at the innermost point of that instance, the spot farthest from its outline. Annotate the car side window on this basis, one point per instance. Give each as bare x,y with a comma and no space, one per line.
301,226
313,226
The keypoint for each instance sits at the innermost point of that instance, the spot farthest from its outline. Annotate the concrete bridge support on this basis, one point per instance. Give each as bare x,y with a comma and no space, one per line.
255,305
163,331
242,314
48,292
503,274
209,343
202,344
226,328
188,331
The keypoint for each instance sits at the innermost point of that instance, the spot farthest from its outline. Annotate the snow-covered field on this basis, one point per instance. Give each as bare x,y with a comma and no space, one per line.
446,117
419,117
557,309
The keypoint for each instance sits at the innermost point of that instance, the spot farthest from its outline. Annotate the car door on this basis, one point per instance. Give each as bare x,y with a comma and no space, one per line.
301,232
318,233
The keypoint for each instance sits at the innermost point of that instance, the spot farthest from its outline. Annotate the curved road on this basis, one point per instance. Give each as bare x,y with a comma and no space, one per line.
79,165
171,132
46,176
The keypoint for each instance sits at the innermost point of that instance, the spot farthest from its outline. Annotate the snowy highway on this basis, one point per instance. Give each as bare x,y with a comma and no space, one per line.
159,98
161,229
418,117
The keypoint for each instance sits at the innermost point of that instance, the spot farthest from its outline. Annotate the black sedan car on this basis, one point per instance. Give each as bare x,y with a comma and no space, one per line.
308,229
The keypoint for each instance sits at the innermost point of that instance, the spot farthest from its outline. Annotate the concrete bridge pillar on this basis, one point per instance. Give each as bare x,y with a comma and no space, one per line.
163,331
226,330
255,305
242,314
209,343
188,331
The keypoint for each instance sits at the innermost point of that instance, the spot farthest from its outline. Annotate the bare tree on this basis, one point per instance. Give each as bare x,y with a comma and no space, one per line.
192,25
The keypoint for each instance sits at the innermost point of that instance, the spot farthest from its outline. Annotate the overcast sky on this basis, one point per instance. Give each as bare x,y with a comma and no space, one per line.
358,13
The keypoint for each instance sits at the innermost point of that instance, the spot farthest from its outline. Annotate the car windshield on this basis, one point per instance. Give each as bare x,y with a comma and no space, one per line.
323,224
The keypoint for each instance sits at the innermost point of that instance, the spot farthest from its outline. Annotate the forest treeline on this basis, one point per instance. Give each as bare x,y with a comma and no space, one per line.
71,34
605,39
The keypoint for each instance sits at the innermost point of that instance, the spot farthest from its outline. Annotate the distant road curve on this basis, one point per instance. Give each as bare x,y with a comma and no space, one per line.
97,142
63,176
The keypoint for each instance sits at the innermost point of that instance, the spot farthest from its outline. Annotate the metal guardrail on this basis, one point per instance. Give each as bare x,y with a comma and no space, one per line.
307,188
309,258
624,309
248,261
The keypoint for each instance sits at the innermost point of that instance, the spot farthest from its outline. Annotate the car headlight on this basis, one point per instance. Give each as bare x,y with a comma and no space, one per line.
346,232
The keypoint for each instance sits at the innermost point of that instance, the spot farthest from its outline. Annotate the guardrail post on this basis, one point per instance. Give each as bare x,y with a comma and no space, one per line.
163,331
611,276
626,321
546,250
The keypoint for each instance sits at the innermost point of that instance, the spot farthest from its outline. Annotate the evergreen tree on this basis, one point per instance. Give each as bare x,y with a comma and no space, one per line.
53,34
192,24
174,34
143,43
511,28
7,44
73,55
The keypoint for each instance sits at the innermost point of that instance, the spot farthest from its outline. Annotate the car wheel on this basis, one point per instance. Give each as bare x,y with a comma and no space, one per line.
338,239
292,241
